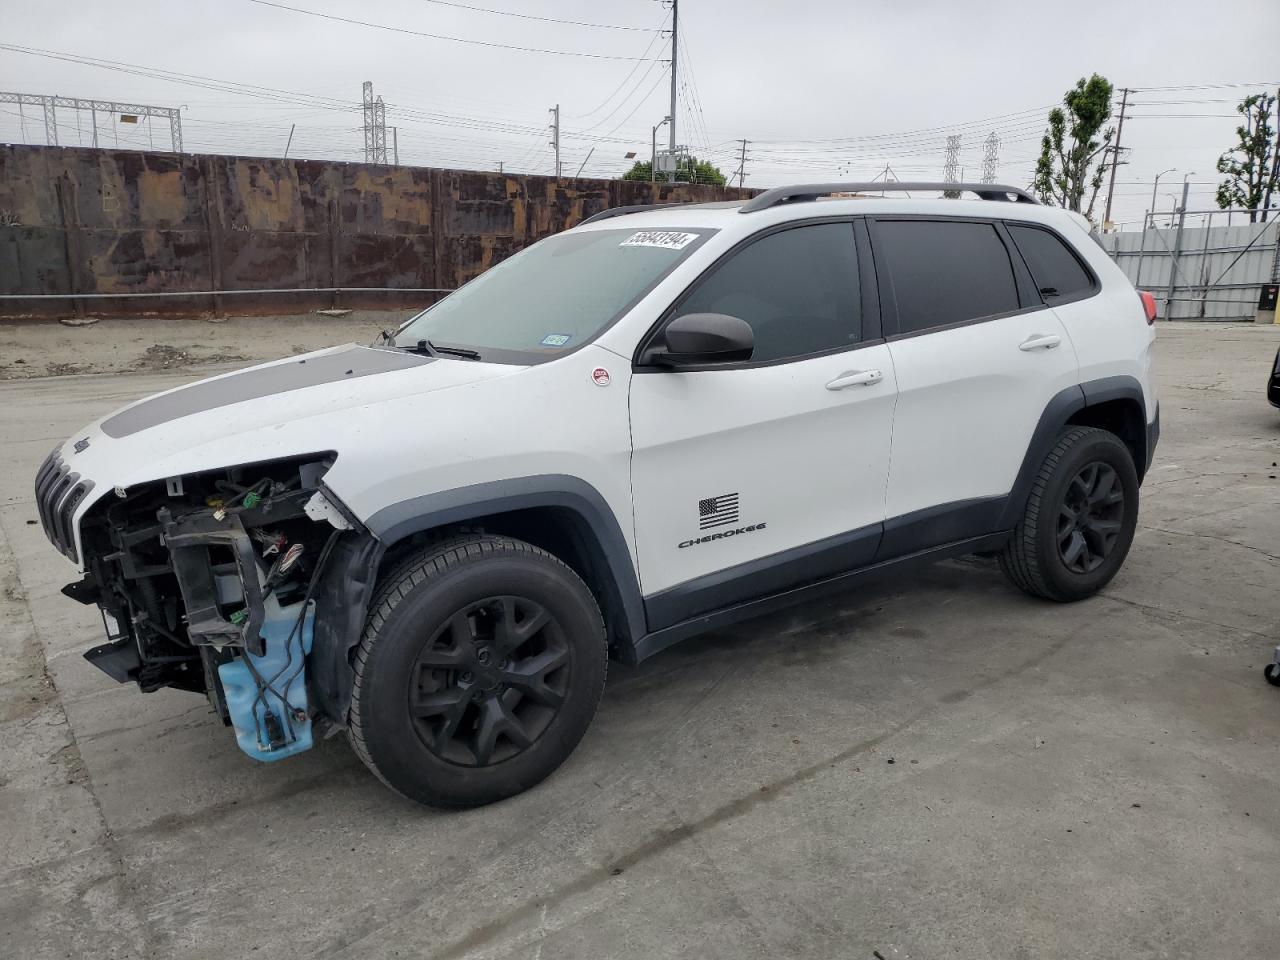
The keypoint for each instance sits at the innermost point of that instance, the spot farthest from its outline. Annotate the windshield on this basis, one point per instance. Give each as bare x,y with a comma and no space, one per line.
554,296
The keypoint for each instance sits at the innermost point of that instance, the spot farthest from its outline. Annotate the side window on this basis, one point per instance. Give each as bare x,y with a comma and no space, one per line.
1056,270
797,288
945,271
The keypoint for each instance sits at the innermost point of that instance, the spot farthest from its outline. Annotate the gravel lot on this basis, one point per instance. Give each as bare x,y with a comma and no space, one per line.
942,768
48,348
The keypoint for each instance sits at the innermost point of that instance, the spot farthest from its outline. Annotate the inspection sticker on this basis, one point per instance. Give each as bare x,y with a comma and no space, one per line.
555,339
666,239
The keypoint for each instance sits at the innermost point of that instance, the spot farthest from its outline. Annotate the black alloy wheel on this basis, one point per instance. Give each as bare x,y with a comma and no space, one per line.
1090,517
1079,518
481,665
489,681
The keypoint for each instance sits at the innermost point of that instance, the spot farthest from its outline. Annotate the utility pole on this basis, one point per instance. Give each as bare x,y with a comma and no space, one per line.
395,145
555,135
1177,247
1275,172
742,164
288,143
1115,157
675,34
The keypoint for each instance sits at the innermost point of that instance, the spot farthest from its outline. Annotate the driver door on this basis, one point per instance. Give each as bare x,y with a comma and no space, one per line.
751,477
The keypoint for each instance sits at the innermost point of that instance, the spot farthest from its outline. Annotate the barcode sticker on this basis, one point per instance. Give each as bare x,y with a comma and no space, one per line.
665,239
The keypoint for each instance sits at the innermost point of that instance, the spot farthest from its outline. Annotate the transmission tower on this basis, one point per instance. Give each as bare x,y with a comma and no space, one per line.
375,126
990,157
952,167
118,112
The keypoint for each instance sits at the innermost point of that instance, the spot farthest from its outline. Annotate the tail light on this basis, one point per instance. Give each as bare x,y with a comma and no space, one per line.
1149,305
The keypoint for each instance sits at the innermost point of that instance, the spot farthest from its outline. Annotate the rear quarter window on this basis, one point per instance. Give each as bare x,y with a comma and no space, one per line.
1054,266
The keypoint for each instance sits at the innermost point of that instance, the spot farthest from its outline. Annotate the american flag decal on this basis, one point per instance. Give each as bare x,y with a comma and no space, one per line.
717,511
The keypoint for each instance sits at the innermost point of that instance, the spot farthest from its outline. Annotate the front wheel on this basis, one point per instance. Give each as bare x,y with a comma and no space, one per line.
1079,520
480,668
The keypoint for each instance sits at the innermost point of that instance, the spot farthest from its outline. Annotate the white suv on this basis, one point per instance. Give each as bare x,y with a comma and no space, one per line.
657,423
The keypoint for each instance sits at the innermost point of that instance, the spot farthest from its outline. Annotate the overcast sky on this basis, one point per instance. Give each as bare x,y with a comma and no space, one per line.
820,88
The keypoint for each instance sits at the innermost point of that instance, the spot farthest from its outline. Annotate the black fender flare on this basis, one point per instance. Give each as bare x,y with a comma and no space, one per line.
399,520
347,585
1060,408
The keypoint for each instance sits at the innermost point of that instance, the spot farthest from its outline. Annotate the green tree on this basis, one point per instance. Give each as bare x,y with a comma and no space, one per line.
690,170
1250,165
1073,160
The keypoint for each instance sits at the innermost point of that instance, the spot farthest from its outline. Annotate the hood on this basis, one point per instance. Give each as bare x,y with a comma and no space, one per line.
323,367
262,412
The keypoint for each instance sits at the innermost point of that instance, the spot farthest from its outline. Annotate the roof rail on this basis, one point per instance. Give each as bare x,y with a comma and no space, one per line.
812,191
623,211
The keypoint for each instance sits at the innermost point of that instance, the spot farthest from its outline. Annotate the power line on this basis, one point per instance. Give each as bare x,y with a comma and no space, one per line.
531,16
1205,86
630,73
623,102
439,36
642,101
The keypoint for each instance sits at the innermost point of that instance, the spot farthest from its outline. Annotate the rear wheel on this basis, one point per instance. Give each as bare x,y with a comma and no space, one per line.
1079,520
479,671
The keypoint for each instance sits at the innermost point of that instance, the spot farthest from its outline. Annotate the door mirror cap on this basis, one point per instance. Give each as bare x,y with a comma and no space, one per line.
702,338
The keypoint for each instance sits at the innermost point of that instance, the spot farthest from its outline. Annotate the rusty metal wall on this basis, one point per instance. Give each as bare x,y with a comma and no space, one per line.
75,220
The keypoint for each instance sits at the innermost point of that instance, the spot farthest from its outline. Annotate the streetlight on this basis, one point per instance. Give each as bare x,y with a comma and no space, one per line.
653,157
1153,191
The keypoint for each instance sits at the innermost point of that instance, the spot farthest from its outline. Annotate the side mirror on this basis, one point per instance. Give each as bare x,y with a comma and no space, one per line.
701,338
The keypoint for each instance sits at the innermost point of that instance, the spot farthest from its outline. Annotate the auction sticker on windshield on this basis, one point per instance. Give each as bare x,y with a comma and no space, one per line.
666,239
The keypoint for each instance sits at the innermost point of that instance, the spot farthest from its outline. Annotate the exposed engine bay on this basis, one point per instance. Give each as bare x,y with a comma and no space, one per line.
208,583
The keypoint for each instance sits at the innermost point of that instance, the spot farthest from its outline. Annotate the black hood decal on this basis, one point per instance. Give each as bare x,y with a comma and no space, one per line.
345,364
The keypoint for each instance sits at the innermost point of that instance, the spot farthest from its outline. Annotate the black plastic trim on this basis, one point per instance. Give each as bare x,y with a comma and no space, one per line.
659,640
1057,412
766,575
1153,437
342,597
804,192
400,520
946,523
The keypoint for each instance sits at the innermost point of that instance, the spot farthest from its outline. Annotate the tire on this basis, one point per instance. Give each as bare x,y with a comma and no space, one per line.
481,665
1272,672
1050,555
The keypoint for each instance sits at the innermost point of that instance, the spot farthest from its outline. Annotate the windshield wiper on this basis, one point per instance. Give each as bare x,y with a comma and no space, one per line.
463,352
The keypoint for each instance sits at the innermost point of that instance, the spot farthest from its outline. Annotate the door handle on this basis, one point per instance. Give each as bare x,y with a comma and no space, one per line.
856,378
1040,342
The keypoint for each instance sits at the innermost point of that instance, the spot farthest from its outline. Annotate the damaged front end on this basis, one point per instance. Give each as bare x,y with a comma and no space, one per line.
248,584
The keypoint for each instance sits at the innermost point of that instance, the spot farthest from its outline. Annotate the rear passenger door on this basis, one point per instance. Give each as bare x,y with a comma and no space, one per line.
978,356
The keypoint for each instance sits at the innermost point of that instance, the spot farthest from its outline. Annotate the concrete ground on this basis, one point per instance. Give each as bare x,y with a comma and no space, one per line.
943,768
45,348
